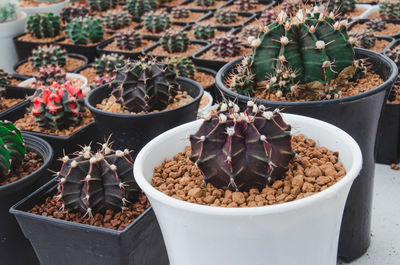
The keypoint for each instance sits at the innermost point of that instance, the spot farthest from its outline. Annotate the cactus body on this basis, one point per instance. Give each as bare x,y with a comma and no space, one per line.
85,30
183,66
46,25
225,16
180,12
128,40
226,46
50,74
242,79
341,6
376,25
48,55
73,11
389,9
365,39
205,2
139,7
250,31
204,32
117,19
101,5
245,5
174,41
108,63
156,22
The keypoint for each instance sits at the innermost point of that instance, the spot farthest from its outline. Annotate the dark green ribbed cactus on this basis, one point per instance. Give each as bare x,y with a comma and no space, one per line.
117,19
101,5
376,25
205,2
204,32
73,11
174,41
48,55
46,25
92,183
145,86
180,12
50,74
226,46
365,39
225,17
108,63
12,148
137,8
245,5
242,150
389,9
341,6
85,30
156,22
5,78
128,40
183,66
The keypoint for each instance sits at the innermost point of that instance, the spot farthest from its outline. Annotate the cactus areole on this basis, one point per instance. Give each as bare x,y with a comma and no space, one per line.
242,150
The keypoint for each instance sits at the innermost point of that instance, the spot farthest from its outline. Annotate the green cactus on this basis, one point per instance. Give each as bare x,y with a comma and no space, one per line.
117,19
204,32
48,55
128,40
5,78
342,6
50,74
205,2
156,22
174,41
389,9
245,5
101,5
225,17
8,11
226,46
72,11
12,148
183,66
85,30
376,25
180,12
46,25
108,63
137,8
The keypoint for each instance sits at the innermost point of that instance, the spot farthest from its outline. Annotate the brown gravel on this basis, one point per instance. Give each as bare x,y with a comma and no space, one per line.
31,163
391,29
380,45
204,79
213,21
173,3
113,47
313,170
28,69
144,31
193,5
117,221
209,55
204,101
9,102
357,12
89,74
29,38
259,7
374,15
192,48
218,33
28,3
27,123
394,166
131,26
193,16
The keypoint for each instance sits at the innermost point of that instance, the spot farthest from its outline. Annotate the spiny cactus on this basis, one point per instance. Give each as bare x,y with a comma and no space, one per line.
180,12
85,30
50,74
117,19
250,31
12,148
73,11
101,5
128,40
57,106
174,41
205,2
242,150
204,32
92,183
183,66
48,55
267,17
139,7
389,9
341,6
5,78
242,79
145,86
226,46
394,54
245,5
156,22
365,39
45,25
225,16
8,11
376,25
108,63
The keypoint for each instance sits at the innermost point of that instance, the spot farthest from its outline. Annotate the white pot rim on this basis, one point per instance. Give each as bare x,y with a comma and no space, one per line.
250,211
209,104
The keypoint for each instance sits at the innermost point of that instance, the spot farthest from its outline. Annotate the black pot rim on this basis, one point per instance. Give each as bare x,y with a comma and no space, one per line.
392,77
95,110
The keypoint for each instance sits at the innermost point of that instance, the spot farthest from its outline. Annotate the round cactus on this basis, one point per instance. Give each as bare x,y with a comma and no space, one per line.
48,55
225,17
242,150
100,5
72,11
249,31
205,2
204,32
341,6
376,25
389,9
5,78
156,22
108,63
174,41
85,30
50,74
365,39
46,25
183,66
128,40
137,8
117,19
245,5
180,12
226,46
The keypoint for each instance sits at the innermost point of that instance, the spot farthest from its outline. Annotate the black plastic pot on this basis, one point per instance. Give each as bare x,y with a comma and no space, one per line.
89,51
133,131
15,92
362,21
64,243
206,13
226,30
14,247
152,47
24,48
358,115
71,55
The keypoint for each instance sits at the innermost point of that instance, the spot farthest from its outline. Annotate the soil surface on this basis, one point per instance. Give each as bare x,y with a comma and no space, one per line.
313,170
355,13
31,163
258,8
71,64
144,31
209,55
192,48
193,5
238,22
204,79
89,73
391,29
374,15
113,46
204,101
380,45
172,3
28,3
117,221
29,38
68,41
9,102
130,26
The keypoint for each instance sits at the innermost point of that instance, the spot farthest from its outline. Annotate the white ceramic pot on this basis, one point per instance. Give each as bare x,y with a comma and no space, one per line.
54,8
28,82
203,110
8,30
301,232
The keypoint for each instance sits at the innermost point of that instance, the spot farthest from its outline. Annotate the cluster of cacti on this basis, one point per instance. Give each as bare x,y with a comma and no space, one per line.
267,17
108,63
203,32
117,19
174,41
394,54
8,11
376,25
48,55
85,30
249,31
92,183
73,11
183,66
5,78
128,40
50,74
101,5
205,2
389,9
45,25
245,5
365,39
57,106
341,6
156,22
242,150
180,12
12,148
225,16
226,46
145,85
137,8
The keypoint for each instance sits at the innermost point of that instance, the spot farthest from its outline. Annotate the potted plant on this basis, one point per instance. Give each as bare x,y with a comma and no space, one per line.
155,23
367,40
119,20
12,23
73,10
145,100
377,26
308,89
184,16
115,226
240,188
24,162
32,7
204,4
205,32
227,19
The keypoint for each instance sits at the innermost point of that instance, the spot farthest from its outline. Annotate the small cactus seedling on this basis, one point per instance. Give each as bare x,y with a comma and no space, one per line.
242,150
206,3
180,12
85,30
156,22
117,19
48,55
226,46
100,5
50,74
376,25
45,25
92,183
389,9
73,11
245,5
108,63
183,66
225,17
57,106
203,32
365,39
5,78
128,40
341,6
174,41
12,148
249,31
137,8
8,11
145,86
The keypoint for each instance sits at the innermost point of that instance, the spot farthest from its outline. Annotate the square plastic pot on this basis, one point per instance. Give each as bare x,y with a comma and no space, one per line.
24,48
16,92
64,243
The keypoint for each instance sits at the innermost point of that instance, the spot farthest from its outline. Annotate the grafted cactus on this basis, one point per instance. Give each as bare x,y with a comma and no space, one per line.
137,8
174,41
156,22
108,63
226,46
128,40
45,25
73,11
242,150
389,9
204,32
183,66
48,55
117,19
245,5
225,16
50,74
85,30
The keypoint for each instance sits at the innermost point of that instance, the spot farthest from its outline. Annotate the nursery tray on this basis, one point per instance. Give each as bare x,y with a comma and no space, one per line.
249,16
89,51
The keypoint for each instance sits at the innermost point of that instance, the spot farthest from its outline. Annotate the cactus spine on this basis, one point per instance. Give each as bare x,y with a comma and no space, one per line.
204,32
108,63
85,30
139,7
174,41
117,19
156,22
46,25
48,55
225,16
